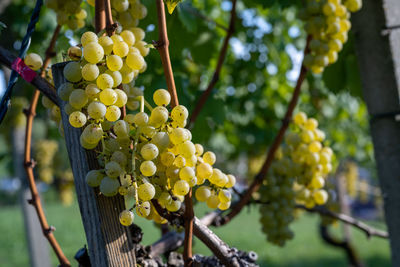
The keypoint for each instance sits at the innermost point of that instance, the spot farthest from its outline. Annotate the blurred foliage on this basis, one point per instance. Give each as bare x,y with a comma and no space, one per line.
242,116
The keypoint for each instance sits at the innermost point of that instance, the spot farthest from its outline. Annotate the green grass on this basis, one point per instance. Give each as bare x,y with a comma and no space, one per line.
307,248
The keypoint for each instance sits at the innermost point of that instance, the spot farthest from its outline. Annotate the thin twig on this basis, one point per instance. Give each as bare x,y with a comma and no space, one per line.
110,25
246,197
29,163
368,230
222,54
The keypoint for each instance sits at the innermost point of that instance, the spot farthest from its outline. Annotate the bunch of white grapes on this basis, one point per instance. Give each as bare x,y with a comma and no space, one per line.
297,175
128,13
68,13
45,151
327,21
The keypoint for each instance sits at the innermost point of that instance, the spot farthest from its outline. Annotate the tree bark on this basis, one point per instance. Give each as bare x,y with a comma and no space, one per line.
379,59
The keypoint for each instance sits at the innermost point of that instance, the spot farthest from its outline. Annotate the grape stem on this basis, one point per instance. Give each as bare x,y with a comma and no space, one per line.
222,54
247,196
29,162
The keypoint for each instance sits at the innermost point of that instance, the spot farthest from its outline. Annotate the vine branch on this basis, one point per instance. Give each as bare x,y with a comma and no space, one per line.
29,163
246,197
222,54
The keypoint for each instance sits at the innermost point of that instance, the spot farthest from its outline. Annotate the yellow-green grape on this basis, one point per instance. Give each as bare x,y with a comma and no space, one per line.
69,109
311,124
191,161
114,62
141,45
148,168
122,98
109,186
161,140
116,38
33,61
93,178
148,131
82,14
90,72
179,162
158,117
218,177
133,49
146,191
209,157
128,77
141,119
186,173
213,201
88,37
121,129
317,182
179,113
64,91
46,102
231,181
149,151
224,196
199,150
120,49
117,77
181,188
113,170
92,133
113,113
174,205
167,158
77,119
204,170
135,61
126,217
129,118
120,158
92,91
320,197
105,81
93,52
161,97
78,98
203,193
72,72
85,144
97,110
224,205
178,135
74,53
128,37
307,136
353,5
107,44
139,33
187,149
300,118
315,146
120,5
108,97
143,209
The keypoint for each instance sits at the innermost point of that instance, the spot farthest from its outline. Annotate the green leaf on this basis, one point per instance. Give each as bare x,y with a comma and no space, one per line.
171,4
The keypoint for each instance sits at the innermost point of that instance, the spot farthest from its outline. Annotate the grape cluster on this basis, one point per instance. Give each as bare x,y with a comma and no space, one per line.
128,13
68,13
66,186
351,175
327,21
45,151
296,176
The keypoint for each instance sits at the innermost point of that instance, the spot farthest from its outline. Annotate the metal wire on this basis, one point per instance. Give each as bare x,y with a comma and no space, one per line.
6,100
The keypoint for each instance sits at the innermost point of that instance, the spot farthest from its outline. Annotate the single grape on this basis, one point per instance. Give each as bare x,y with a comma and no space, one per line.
33,61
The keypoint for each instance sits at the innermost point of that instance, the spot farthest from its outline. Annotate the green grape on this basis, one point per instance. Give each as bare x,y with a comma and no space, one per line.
146,191
121,129
128,37
120,49
92,133
174,205
141,119
88,37
127,77
117,77
158,117
204,170
92,91
120,5
179,162
181,188
179,113
186,173
187,149
224,205
105,81
97,110
77,119
167,158
108,97
320,197
141,45
149,151
120,158
74,53
231,181
85,144
113,169
199,149
224,196
93,178
107,44
135,61
82,14
139,33
64,91
46,102
72,72
178,135
122,98
109,186
148,168
69,109
203,193
209,157
161,140
126,217
129,118
113,113
147,131
78,98
33,61
114,62
143,209
212,202
93,52
90,72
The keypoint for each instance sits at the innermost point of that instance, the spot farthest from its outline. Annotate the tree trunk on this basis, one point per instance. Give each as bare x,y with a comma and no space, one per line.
37,244
379,59
110,243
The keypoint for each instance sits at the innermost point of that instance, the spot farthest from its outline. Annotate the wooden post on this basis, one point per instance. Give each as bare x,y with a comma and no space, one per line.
109,242
377,33
37,244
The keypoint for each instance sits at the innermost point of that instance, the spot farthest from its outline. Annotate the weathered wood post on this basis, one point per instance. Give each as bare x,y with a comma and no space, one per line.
109,243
